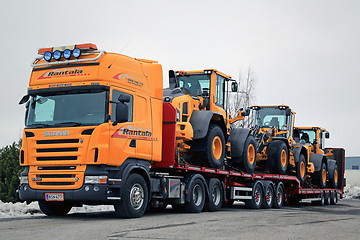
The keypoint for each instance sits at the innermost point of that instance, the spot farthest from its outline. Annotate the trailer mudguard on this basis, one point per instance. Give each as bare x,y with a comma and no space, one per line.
200,121
192,178
237,140
317,160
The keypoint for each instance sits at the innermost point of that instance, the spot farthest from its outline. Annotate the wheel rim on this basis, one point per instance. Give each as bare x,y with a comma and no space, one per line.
197,195
335,176
216,195
251,154
302,169
217,147
137,196
324,176
268,196
257,197
279,196
283,158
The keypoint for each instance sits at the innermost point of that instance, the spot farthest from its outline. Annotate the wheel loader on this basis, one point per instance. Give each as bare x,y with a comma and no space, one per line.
277,151
204,135
326,173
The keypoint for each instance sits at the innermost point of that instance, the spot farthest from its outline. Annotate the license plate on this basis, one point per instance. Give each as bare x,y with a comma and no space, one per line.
54,196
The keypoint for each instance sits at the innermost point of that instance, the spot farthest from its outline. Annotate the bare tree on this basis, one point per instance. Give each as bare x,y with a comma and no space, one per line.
244,97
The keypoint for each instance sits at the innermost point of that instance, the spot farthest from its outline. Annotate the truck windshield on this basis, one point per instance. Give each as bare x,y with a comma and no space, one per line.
194,84
67,109
270,117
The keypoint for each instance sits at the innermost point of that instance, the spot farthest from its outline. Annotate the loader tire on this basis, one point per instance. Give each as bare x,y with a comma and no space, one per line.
320,177
278,157
248,162
215,147
334,177
301,170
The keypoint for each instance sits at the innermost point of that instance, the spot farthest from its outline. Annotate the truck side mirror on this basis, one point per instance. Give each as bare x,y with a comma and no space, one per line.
24,99
122,109
327,135
234,86
288,112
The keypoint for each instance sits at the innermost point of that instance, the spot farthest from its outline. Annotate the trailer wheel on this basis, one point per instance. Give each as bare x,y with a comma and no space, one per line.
301,170
196,192
333,198
334,177
320,177
269,196
216,196
248,162
279,195
327,198
257,197
215,147
322,199
55,208
278,159
134,198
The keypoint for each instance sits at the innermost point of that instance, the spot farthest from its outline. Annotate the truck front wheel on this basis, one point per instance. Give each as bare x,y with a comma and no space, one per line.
55,208
134,198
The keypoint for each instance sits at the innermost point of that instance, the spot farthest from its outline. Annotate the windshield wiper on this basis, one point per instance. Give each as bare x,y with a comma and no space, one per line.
41,125
73,124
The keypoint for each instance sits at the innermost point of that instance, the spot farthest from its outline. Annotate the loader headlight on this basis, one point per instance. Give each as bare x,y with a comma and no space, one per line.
95,180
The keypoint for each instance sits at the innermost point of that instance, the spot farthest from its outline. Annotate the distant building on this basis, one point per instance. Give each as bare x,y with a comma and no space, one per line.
352,163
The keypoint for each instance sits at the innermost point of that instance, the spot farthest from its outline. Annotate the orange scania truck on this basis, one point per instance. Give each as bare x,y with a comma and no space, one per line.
99,131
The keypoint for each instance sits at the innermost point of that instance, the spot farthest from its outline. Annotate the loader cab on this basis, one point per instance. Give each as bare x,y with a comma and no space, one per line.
314,136
279,118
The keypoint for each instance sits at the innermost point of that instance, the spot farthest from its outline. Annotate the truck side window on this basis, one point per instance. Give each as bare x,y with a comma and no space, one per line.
219,94
115,97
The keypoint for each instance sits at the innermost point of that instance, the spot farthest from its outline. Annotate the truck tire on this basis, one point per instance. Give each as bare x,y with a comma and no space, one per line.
196,202
301,170
269,196
55,208
333,177
327,198
278,157
320,177
134,197
216,196
321,202
215,147
248,161
279,195
257,197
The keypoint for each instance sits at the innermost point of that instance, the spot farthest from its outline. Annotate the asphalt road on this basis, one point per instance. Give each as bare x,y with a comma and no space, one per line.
306,221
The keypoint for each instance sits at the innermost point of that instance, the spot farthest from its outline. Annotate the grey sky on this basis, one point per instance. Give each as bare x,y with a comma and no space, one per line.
305,54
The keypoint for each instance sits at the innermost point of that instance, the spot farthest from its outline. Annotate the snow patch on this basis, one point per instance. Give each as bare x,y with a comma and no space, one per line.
352,192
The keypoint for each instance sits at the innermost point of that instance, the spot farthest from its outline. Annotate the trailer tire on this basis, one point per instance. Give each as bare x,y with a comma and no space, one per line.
301,170
196,202
257,197
55,208
134,198
279,195
269,196
215,147
334,177
278,157
216,196
248,161
327,198
320,177
333,198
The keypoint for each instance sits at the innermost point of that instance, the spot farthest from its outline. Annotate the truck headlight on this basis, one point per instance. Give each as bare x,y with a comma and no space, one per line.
95,180
24,180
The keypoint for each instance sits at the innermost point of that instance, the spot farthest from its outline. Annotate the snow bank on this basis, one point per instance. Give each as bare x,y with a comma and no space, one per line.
352,192
13,210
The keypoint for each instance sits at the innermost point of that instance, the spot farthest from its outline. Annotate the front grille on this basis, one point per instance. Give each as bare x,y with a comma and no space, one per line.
55,176
55,183
57,168
57,158
57,141
57,150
